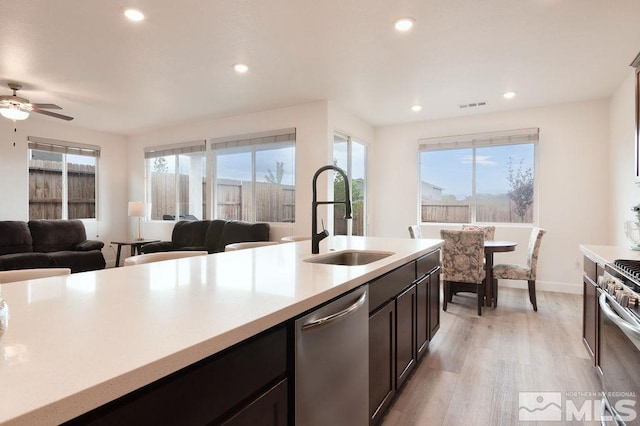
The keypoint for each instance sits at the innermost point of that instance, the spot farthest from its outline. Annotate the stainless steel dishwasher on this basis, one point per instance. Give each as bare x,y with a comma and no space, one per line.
332,363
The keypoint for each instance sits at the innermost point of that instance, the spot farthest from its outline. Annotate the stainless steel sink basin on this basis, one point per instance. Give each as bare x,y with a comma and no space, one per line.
349,257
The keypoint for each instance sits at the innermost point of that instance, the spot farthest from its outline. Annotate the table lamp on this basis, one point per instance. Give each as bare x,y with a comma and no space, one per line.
137,209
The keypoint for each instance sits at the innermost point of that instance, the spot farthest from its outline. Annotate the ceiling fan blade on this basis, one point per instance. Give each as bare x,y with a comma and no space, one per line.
51,114
46,106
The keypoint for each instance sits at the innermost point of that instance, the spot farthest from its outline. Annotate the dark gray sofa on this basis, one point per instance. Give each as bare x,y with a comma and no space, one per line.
209,235
48,244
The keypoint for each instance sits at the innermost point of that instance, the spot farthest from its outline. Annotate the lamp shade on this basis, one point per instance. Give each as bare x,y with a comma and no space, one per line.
137,209
13,112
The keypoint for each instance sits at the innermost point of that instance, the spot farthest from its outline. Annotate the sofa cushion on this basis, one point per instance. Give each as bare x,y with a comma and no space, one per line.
15,237
25,261
78,261
214,236
89,245
239,232
160,246
188,233
56,235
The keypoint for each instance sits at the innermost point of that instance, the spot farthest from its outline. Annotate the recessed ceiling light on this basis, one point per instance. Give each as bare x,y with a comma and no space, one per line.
241,68
404,24
509,95
416,108
134,15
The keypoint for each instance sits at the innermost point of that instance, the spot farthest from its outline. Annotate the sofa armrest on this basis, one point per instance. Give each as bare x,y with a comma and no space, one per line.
89,245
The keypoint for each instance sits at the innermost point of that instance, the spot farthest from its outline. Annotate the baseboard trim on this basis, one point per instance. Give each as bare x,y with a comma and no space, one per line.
544,286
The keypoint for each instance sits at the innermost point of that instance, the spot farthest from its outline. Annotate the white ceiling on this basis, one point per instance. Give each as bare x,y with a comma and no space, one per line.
176,66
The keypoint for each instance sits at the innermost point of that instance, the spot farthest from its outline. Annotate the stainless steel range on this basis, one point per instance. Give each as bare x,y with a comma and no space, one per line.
620,342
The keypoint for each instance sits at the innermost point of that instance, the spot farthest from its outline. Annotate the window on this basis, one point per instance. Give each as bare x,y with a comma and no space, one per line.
351,156
255,177
176,181
62,179
478,178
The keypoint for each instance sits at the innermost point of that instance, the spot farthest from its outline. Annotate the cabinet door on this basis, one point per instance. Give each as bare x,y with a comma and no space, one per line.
405,334
382,361
422,314
434,303
269,409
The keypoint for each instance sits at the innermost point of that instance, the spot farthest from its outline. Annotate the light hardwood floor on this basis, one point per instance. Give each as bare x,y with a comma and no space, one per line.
476,366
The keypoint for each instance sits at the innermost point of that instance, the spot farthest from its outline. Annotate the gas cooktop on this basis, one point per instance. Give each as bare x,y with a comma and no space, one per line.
626,270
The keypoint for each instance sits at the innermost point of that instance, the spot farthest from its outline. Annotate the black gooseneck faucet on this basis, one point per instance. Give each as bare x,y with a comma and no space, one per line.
316,236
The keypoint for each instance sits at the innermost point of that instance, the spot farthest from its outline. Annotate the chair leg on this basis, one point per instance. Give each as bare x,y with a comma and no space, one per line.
447,290
480,298
532,294
495,293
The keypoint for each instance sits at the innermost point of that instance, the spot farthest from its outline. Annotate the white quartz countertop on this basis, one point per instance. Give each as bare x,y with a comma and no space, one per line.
607,254
75,343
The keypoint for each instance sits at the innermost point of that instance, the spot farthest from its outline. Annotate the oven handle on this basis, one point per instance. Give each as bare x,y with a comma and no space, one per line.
613,316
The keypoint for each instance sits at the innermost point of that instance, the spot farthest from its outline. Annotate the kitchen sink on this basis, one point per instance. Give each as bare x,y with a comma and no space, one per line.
349,257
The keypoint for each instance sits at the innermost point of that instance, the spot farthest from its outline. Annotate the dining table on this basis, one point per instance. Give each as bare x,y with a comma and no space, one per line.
491,247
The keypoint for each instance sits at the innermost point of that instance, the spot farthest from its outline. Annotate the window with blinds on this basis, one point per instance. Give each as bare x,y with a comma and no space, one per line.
63,179
254,177
486,177
176,181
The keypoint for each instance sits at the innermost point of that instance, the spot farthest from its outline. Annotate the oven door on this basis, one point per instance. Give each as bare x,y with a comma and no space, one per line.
619,361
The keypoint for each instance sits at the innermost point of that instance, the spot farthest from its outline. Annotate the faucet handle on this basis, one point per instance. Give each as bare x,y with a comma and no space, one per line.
324,230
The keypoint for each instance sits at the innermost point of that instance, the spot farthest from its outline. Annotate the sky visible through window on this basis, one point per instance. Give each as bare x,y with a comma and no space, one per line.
452,169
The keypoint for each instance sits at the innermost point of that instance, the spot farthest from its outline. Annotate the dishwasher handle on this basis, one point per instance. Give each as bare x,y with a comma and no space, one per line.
337,315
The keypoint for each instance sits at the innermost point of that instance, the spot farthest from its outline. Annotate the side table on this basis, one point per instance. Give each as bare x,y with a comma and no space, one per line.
135,247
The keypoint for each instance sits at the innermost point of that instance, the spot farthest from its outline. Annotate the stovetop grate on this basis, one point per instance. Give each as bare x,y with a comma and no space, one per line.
630,270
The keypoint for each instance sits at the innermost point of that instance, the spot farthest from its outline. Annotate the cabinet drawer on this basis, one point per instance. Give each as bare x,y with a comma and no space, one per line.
427,263
201,393
390,285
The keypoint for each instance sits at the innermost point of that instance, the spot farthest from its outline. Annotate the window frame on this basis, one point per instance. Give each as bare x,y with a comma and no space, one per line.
66,148
473,142
251,143
350,140
175,150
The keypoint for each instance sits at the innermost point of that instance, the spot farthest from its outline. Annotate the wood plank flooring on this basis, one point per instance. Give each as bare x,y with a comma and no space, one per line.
476,366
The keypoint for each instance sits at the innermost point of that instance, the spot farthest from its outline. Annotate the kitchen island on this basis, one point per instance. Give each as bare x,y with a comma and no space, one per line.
76,343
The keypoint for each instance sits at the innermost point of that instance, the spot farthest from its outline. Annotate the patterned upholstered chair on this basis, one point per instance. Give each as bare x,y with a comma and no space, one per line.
518,272
415,232
462,264
489,231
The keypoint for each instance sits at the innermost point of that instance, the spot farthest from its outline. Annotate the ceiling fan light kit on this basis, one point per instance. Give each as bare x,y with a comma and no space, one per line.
15,107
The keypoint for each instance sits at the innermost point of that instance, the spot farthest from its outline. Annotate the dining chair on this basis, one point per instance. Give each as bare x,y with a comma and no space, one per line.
489,231
294,238
31,274
415,232
164,255
248,244
519,272
462,264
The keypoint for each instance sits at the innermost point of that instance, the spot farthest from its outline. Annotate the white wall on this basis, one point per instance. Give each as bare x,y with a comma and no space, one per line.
624,193
572,177
112,174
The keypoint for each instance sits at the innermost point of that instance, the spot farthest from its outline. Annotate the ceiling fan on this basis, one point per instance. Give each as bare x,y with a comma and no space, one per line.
16,108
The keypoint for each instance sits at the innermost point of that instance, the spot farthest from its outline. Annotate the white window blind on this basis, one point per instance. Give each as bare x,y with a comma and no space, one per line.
63,147
507,137
253,139
176,149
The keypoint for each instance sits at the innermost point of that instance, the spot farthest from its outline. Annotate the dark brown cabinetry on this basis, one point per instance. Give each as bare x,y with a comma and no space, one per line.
382,359
237,385
404,316
405,334
590,307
